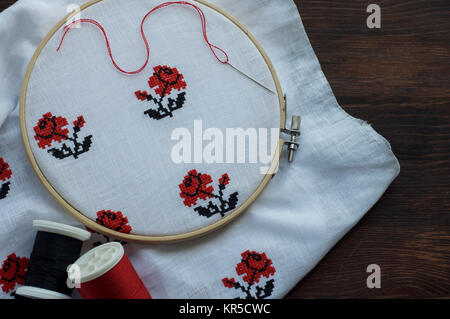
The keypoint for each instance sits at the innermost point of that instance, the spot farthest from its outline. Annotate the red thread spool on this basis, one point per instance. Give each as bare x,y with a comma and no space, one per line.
105,272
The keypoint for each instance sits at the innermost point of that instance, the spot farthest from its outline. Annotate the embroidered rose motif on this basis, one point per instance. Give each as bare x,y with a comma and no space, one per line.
195,186
53,129
13,272
254,265
5,175
113,220
166,79
163,81
50,128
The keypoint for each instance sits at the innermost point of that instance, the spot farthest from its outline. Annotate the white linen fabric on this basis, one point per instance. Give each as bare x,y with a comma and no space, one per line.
342,170
128,166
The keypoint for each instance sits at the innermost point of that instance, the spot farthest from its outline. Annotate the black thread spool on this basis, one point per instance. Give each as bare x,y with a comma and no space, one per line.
55,248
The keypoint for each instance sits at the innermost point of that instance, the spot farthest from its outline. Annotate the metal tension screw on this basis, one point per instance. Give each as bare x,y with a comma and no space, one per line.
295,132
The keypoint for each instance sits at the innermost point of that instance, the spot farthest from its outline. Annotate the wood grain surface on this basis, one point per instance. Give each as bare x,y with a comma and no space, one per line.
397,78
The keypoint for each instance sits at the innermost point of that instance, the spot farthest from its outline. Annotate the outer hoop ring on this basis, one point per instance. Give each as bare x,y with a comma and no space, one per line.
141,238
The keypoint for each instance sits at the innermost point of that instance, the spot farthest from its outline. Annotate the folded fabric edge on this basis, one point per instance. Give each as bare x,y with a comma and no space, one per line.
366,127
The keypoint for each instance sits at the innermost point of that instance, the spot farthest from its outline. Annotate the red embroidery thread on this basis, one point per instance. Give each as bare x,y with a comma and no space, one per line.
253,266
195,186
113,220
13,272
53,129
163,81
5,175
212,47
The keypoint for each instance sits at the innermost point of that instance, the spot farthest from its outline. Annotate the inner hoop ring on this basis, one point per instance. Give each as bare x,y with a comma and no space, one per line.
141,238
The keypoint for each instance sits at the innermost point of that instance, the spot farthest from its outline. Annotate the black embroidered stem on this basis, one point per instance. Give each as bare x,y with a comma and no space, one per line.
163,111
4,190
225,205
237,285
161,107
261,293
79,148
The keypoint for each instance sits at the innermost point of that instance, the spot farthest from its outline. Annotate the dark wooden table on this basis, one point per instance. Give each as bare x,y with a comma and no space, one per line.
397,79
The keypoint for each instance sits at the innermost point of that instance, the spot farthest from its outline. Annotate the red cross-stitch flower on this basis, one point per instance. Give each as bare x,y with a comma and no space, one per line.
163,81
13,272
254,265
229,282
166,79
195,186
50,128
113,220
79,123
224,180
53,129
5,172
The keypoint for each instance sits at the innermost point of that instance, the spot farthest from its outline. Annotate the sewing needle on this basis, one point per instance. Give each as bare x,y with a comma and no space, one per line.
249,77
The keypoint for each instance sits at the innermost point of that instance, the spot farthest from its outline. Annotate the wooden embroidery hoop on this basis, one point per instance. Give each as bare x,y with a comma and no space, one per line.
141,238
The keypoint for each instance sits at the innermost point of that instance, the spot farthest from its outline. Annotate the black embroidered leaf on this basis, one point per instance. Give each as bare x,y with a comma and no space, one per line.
206,211
155,114
202,211
268,289
151,98
61,153
233,200
178,103
213,208
87,143
163,111
4,190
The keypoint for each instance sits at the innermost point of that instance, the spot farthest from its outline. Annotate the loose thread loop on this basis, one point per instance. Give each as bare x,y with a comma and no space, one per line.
211,46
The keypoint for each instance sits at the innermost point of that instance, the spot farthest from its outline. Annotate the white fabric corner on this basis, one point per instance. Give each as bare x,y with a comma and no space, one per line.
342,170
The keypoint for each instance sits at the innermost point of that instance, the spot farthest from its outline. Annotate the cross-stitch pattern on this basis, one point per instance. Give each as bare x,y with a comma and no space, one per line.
163,81
113,220
196,186
253,266
5,175
13,272
54,129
